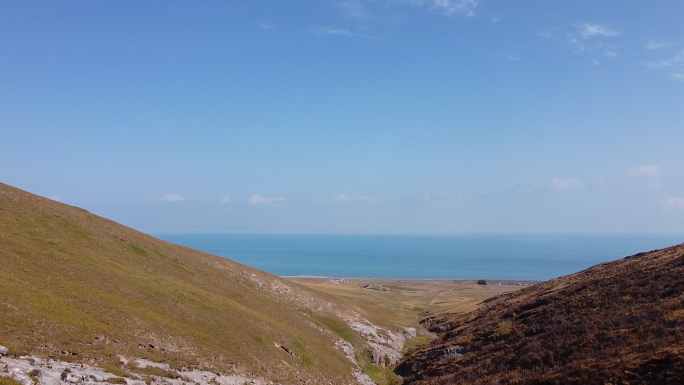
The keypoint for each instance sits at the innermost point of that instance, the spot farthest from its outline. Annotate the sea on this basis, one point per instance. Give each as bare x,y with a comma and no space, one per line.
532,257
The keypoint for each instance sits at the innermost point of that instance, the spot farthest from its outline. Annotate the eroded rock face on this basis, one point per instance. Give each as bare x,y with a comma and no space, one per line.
383,355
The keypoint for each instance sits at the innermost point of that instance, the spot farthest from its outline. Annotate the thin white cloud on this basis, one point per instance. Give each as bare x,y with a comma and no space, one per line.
548,35
587,30
677,61
354,9
646,171
675,65
266,27
510,56
451,7
446,7
56,198
652,45
588,38
566,184
674,202
355,198
334,31
262,200
225,199
171,198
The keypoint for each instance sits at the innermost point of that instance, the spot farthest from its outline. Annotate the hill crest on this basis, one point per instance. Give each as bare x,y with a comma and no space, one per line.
80,288
617,322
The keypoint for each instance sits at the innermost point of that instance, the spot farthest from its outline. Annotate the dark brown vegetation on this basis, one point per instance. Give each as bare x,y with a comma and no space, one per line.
616,323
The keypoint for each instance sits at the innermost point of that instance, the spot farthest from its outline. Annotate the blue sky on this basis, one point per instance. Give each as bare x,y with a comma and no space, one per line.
349,116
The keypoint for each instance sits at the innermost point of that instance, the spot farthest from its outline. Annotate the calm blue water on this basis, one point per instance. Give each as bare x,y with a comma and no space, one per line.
525,257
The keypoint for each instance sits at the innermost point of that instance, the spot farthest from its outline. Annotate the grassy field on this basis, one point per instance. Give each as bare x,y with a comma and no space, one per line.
406,302
78,287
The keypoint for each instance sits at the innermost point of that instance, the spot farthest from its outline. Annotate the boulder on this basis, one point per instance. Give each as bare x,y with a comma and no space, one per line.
3,350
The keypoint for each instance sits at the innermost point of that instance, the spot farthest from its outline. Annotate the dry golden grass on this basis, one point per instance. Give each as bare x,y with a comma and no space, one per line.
82,288
406,302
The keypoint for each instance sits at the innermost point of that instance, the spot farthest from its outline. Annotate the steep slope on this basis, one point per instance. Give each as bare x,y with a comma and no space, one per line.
619,323
77,287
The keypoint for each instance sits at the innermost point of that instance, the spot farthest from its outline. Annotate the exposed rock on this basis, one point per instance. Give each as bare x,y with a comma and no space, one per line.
347,348
3,350
142,363
55,372
363,378
383,355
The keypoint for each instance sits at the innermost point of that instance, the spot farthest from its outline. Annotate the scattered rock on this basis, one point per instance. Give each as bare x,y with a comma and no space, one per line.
55,372
3,350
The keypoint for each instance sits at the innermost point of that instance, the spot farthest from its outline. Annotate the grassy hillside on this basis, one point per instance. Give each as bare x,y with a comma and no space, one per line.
78,287
616,323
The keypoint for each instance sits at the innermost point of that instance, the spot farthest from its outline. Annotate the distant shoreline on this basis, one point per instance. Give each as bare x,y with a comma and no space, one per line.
474,280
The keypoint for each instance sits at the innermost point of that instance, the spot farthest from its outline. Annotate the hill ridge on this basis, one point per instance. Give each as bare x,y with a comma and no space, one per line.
77,287
616,322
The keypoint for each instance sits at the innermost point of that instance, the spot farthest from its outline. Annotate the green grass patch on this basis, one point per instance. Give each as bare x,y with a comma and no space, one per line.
8,381
137,249
340,328
421,339
305,355
116,380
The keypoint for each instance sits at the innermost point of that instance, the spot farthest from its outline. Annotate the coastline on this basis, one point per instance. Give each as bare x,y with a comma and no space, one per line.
415,280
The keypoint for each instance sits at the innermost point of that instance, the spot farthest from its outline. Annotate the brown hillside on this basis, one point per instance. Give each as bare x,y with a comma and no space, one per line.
78,287
616,323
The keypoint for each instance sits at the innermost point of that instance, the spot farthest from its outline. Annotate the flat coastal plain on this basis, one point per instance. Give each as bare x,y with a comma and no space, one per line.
408,301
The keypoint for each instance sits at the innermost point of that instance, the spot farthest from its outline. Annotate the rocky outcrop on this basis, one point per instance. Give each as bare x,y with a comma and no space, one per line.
31,370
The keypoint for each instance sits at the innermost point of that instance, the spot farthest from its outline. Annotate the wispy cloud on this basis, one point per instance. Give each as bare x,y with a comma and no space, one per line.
355,198
262,200
652,45
589,38
646,171
172,198
450,7
266,27
225,199
334,31
588,30
56,198
566,184
675,65
677,61
446,7
510,56
674,202
354,9
548,35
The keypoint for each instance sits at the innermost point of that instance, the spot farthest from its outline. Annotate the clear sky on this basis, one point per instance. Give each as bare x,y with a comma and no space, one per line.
349,116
